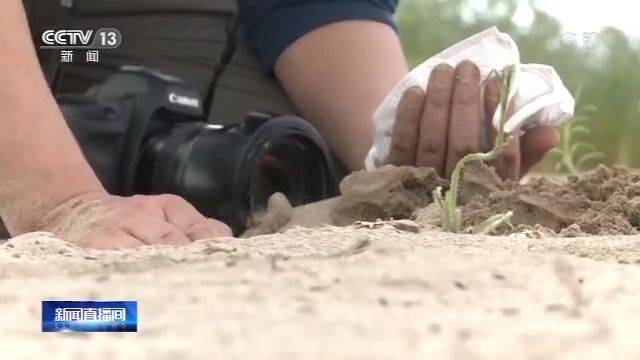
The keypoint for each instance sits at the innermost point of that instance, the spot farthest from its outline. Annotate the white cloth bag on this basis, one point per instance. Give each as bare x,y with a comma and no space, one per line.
537,96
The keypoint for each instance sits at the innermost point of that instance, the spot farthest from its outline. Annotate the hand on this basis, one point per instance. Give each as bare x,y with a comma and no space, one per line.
102,221
438,128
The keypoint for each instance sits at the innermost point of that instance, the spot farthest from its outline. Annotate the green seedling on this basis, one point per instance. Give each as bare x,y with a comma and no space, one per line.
638,110
451,213
573,155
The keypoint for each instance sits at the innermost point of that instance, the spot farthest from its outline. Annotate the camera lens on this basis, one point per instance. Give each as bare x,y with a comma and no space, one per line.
289,166
230,173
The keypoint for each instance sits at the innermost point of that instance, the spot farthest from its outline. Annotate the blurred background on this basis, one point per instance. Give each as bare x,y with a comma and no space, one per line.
594,46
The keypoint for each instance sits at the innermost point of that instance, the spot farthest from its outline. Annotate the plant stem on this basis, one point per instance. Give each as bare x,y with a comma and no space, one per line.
566,149
451,212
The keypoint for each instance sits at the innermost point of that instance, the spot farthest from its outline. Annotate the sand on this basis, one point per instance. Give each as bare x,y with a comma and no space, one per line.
374,289
367,291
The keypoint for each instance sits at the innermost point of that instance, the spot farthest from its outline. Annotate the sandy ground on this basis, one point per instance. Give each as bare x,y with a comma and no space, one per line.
343,293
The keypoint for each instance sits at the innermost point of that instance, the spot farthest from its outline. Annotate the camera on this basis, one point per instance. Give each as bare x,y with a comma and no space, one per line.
145,132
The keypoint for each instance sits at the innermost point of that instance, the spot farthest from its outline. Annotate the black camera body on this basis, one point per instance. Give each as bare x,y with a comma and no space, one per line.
144,132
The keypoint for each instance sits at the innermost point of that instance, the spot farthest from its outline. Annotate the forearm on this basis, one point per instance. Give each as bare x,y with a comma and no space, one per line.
40,163
337,75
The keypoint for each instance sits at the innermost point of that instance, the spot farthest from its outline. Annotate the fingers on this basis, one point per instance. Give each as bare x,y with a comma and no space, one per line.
535,144
404,139
491,100
466,120
434,124
188,220
507,164
153,231
218,228
117,240
142,219
448,125
128,222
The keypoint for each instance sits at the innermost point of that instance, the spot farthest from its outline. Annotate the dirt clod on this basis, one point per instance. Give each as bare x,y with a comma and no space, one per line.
595,203
387,193
604,201
277,215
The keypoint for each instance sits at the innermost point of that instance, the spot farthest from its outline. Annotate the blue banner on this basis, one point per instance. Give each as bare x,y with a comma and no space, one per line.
90,316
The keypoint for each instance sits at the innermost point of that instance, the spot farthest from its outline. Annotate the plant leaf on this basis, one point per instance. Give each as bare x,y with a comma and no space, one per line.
451,213
577,95
589,109
579,118
556,152
581,146
493,223
594,156
559,166
580,130
437,197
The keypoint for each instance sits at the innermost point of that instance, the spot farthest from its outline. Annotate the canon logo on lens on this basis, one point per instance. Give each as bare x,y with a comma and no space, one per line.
184,100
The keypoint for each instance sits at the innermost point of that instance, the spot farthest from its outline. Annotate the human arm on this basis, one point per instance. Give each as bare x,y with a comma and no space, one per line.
337,75
339,72
44,176
439,127
339,90
40,163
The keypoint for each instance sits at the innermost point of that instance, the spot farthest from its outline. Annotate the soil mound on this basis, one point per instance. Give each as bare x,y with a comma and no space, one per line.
387,193
599,202
603,201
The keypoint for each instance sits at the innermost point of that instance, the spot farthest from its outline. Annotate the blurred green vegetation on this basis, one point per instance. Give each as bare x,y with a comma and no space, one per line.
609,73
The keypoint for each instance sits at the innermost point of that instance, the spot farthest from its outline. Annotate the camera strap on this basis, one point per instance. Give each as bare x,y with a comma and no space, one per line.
197,41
